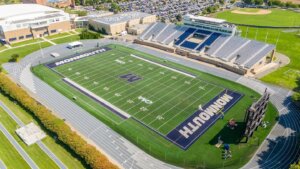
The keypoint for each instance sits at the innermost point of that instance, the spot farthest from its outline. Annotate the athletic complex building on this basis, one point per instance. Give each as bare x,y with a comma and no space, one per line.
210,40
21,22
118,23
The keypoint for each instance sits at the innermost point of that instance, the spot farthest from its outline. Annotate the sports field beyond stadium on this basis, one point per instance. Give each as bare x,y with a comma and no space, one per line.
164,99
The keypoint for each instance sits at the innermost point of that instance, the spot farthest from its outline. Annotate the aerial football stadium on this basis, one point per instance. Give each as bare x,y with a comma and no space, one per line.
175,112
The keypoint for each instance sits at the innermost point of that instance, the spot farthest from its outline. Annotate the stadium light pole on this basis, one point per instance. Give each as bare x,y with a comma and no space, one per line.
278,38
256,33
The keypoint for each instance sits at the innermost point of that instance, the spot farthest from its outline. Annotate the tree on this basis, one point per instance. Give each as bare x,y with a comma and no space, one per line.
14,58
258,2
295,166
85,34
115,7
179,17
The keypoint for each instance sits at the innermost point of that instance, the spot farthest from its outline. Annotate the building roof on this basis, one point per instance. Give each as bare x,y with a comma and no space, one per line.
203,18
18,10
122,17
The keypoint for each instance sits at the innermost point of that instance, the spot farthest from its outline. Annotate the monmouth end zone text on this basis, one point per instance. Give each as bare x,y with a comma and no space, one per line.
185,134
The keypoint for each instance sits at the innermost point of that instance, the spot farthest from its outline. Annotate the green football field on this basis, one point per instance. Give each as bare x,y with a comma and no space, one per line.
161,98
162,95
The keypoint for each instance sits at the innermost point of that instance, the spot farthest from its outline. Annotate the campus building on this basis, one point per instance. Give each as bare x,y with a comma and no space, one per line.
58,3
20,22
118,23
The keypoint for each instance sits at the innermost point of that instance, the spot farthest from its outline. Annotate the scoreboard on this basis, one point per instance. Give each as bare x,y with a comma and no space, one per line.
255,115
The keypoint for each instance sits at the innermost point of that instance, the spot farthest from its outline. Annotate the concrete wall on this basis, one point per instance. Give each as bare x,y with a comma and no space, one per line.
148,19
154,45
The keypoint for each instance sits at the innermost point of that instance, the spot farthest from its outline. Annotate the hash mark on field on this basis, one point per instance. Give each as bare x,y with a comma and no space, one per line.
183,109
106,88
174,77
77,73
130,101
162,73
140,64
130,61
86,78
150,68
69,69
143,109
118,94
95,83
187,82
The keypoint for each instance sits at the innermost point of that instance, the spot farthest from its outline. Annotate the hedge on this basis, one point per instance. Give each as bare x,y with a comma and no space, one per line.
296,98
87,152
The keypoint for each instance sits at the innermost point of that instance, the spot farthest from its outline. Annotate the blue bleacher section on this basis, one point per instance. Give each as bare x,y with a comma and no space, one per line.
186,34
203,32
209,41
189,45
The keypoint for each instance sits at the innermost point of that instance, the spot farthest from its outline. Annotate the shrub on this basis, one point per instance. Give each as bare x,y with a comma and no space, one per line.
14,58
64,133
296,98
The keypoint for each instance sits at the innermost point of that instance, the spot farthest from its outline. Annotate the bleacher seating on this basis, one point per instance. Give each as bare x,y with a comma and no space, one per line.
235,49
208,41
176,34
186,34
189,45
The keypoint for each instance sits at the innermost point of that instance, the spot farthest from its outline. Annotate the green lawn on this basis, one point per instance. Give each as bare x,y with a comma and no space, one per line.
278,17
38,156
26,42
10,156
22,51
2,47
203,150
67,39
58,149
58,35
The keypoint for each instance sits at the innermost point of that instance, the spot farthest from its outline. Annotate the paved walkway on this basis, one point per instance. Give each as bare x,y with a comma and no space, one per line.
2,165
277,151
21,151
39,143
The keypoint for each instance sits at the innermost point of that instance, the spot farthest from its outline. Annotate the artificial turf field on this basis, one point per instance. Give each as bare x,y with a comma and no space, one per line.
174,96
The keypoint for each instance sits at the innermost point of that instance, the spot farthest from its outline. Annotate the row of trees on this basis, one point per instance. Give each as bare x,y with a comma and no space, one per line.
296,95
86,34
272,3
57,126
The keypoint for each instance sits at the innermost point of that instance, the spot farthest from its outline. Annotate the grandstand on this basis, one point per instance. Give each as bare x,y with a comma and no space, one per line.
220,46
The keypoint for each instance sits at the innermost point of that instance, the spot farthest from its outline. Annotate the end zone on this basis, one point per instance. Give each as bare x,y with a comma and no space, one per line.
186,133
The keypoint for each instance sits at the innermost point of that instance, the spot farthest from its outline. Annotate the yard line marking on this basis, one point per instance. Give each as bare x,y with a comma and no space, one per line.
175,70
171,100
183,109
125,114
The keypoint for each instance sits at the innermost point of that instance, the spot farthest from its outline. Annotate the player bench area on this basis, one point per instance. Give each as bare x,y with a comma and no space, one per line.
162,98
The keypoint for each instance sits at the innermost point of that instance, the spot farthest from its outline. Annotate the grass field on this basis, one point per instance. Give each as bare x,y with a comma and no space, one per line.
174,97
58,149
277,17
9,155
22,51
67,39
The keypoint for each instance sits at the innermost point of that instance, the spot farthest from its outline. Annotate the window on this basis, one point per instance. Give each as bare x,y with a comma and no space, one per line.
29,36
21,37
53,31
12,39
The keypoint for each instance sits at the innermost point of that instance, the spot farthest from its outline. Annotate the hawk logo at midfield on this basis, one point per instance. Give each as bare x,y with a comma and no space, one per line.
130,77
